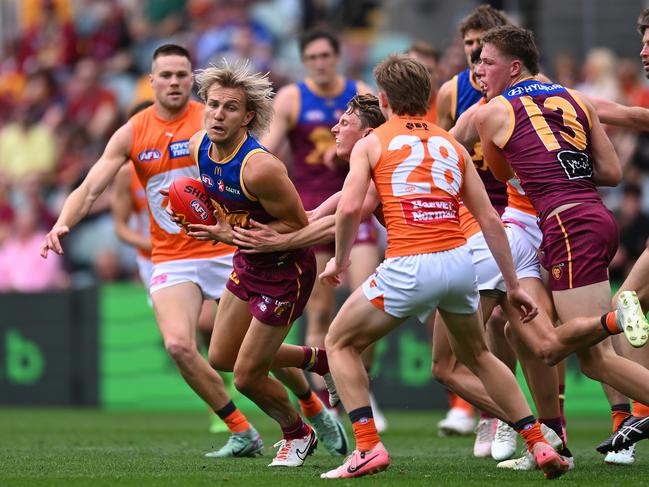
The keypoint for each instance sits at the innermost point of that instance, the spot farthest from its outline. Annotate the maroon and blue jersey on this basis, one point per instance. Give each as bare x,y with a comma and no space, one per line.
466,94
549,145
223,182
311,137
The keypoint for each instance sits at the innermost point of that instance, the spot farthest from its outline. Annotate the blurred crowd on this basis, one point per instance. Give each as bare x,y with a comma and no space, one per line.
71,69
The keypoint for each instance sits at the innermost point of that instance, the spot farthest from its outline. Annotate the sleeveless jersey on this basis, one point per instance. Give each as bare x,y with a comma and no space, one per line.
549,144
223,182
311,137
418,178
140,215
160,154
466,94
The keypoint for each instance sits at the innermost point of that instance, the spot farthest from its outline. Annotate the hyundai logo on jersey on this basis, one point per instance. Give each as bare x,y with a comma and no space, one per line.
207,181
149,155
314,116
179,149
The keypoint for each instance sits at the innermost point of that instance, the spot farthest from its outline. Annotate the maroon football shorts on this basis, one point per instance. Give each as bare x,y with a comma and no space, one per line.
277,290
578,245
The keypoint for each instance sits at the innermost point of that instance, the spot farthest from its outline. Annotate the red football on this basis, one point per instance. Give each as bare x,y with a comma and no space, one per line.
189,201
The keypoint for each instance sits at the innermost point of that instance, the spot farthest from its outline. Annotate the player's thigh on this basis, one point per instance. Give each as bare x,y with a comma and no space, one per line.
207,315
638,280
591,300
177,309
359,323
465,333
364,260
231,324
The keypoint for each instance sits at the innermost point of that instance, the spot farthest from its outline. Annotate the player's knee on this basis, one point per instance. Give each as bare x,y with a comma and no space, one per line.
441,372
246,381
179,349
548,350
218,361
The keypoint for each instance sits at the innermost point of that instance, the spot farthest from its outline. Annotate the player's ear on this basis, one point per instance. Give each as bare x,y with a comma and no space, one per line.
248,118
383,99
367,131
516,67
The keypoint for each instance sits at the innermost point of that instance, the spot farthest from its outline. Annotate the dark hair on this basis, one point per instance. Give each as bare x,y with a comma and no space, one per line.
643,21
139,107
475,55
313,35
484,17
406,83
368,110
423,49
171,50
515,42
632,189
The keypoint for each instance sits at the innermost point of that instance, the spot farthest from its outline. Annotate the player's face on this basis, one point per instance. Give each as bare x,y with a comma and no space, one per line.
320,61
171,79
472,40
348,131
644,54
226,117
493,71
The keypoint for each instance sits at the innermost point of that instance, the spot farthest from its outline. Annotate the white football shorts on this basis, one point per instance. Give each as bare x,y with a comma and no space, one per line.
416,285
210,275
524,254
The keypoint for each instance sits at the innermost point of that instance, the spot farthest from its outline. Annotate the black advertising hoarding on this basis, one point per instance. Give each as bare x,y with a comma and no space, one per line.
49,348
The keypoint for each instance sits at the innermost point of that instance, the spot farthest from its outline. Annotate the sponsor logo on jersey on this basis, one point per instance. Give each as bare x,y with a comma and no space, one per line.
221,185
179,149
429,210
199,209
314,116
207,180
149,155
417,126
225,188
557,271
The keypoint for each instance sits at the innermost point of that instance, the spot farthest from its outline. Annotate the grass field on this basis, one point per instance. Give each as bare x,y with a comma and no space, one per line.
90,448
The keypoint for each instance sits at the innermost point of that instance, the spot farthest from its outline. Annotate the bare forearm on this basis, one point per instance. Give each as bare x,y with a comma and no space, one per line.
346,229
76,207
132,237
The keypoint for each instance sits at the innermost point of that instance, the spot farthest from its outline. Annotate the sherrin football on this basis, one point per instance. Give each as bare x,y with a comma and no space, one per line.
189,201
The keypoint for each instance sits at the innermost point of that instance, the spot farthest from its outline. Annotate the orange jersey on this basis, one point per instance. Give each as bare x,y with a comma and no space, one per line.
517,199
418,177
140,214
160,153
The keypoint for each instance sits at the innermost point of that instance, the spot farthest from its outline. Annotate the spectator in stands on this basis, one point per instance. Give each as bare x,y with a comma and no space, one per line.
634,231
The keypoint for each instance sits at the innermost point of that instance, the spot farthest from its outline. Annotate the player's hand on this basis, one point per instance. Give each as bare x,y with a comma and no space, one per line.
332,271
259,238
221,232
174,218
53,240
523,303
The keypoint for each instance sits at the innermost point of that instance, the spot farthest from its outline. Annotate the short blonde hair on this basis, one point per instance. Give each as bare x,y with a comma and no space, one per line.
256,87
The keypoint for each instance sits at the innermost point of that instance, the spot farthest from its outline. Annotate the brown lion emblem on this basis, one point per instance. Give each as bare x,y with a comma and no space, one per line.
557,272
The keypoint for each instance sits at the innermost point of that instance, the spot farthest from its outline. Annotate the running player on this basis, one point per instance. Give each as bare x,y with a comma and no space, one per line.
420,207
571,154
267,292
185,272
456,96
305,112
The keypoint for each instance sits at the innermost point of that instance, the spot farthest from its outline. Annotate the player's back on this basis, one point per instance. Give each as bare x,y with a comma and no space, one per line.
160,153
418,177
549,144
311,137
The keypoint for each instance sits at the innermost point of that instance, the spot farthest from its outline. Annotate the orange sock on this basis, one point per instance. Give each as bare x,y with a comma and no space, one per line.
236,422
639,409
310,406
618,418
609,322
366,435
533,435
452,397
462,404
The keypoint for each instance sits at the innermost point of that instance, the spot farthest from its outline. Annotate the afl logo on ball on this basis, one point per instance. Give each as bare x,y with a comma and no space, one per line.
557,272
199,209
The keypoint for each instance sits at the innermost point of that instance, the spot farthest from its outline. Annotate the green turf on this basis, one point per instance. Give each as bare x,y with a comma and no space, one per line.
92,448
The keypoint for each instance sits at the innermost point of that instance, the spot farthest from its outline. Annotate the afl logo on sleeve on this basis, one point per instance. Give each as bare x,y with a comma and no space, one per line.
179,149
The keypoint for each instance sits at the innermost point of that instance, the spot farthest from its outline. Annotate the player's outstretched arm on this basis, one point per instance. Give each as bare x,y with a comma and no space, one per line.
613,113
607,170
464,130
444,105
260,238
121,205
477,201
78,203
